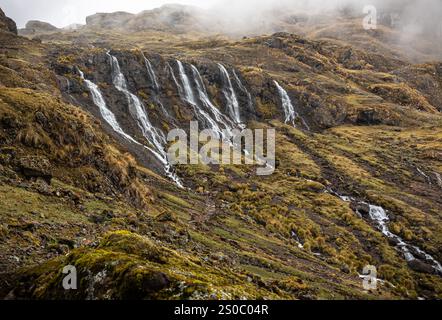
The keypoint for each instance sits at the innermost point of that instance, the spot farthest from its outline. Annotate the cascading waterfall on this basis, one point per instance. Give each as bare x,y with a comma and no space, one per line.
151,73
289,110
172,74
107,115
187,88
244,89
290,114
380,217
229,93
154,136
154,80
189,96
204,97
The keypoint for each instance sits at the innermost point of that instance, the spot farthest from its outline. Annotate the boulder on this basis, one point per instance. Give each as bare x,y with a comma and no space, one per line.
368,117
34,167
420,266
7,24
362,208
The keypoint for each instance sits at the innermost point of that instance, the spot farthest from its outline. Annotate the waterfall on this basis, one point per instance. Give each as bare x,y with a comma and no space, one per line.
290,114
229,93
172,74
243,88
189,97
151,73
155,137
107,115
423,174
68,85
380,217
154,80
187,88
204,97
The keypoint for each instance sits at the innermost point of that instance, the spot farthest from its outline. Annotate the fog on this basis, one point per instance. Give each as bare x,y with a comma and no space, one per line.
417,17
65,12
420,13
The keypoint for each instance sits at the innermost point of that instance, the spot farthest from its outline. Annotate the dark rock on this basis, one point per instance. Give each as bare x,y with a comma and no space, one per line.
361,208
368,117
34,167
167,217
346,269
7,24
394,241
145,285
419,266
67,242
41,119
105,216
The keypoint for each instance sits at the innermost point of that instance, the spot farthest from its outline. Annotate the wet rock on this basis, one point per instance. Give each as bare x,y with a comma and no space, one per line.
34,167
394,241
420,266
361,208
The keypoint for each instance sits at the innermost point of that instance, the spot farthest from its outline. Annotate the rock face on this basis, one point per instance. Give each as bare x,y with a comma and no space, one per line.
38,27
7,24
167,18
108,20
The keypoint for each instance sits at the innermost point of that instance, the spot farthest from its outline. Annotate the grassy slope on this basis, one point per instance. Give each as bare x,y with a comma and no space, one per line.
228,240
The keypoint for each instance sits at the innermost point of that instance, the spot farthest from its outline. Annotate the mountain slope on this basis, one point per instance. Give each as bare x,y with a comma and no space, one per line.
79,190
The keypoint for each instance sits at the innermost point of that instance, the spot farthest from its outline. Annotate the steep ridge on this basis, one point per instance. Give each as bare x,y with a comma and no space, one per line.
7,24
133,233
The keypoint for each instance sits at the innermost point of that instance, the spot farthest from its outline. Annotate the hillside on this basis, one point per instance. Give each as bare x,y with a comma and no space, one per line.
83,114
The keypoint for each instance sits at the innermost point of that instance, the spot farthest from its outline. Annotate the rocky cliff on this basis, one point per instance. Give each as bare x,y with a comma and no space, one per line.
7,24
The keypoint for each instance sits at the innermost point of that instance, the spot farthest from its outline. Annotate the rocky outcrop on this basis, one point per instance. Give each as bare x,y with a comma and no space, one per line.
35,167
7,24
176,18
108,20
35,27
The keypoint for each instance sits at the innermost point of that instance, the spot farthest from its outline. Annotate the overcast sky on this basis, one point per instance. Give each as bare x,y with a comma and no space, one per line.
64,12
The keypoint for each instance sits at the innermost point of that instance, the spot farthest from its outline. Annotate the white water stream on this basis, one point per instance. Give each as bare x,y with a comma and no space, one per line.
289,110
154,136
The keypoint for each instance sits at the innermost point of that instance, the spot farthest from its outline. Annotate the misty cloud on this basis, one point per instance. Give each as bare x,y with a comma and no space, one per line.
417,17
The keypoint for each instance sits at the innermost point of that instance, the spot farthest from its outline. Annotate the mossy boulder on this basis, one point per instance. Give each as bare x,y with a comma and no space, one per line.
131,243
